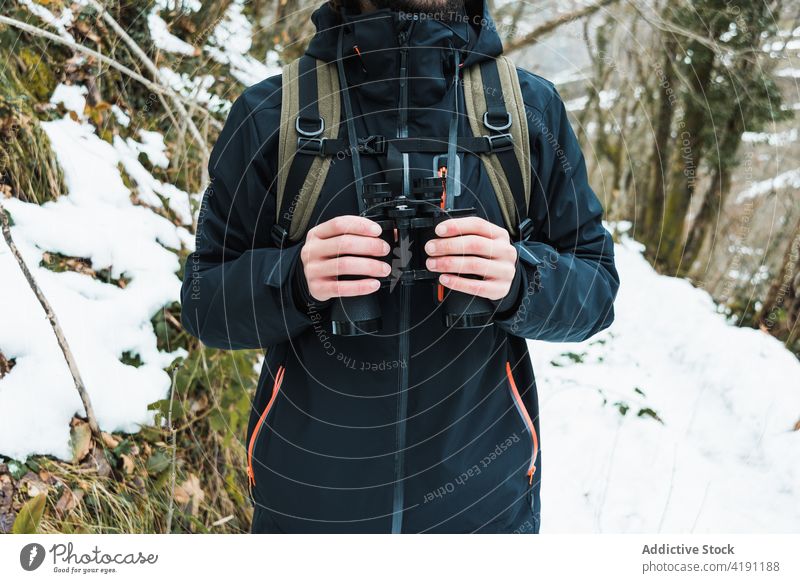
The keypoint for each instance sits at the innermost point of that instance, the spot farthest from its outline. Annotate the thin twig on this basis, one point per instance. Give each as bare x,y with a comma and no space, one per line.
51,316
537,33
155,87
174,461
148,63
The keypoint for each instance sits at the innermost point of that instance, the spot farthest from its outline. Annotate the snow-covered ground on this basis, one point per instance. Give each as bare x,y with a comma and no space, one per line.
723,457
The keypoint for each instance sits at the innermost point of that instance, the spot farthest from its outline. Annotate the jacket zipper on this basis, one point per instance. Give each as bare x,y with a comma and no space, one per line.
257,429
526,418
405,300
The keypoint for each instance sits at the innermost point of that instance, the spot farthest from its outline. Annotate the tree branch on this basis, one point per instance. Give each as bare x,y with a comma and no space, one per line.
536,34
155,87
137,50
51,316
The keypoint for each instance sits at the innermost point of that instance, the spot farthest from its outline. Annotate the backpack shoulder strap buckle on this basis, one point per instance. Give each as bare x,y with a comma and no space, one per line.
499,142
499,127
311,145
309,133
372,145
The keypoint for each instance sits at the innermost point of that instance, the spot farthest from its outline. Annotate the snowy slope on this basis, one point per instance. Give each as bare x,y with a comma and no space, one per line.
725,457
96,220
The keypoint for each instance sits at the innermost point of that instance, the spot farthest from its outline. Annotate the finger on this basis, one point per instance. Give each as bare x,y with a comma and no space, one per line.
470,226
353,245
346,224
349,265
486,268
489,289
349,288
469,245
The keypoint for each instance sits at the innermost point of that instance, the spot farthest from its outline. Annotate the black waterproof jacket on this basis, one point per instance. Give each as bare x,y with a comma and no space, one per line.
419,428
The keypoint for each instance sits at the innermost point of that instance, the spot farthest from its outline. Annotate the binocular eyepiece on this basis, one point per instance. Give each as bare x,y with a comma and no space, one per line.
407,224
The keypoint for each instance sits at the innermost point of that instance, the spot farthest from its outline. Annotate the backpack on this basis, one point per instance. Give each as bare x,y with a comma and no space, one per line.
309,128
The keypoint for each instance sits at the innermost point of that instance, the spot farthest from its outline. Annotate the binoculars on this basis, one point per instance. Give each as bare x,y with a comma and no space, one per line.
407,224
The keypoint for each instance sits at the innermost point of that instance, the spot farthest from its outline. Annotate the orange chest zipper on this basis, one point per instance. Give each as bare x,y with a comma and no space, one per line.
275,388
528,422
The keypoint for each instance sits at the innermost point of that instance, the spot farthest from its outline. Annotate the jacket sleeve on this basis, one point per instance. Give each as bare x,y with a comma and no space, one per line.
568,280
238,287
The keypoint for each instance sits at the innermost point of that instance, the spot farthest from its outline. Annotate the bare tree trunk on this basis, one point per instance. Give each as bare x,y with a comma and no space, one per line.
686,160
701,226
728,146
652,205
780,315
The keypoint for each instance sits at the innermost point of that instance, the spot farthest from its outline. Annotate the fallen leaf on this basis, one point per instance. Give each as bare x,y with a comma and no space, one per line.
30,516
33,484
68,501
99,462
81,440
127,464
109,440
190,494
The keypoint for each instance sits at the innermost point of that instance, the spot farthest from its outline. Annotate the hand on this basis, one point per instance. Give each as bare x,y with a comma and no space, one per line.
343,246
473,246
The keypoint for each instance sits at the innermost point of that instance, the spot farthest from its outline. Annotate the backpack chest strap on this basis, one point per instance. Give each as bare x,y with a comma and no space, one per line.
377,145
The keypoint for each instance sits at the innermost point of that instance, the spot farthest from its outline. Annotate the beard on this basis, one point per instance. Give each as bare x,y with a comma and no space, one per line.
437,9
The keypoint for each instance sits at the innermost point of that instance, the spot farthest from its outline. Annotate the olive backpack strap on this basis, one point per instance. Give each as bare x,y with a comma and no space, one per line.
310,114
495,110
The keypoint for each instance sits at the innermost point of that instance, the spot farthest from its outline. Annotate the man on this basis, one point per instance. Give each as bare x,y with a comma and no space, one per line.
418,427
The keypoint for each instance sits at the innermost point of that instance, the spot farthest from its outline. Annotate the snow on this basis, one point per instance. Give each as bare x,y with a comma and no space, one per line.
229,45
96,220
725,458
777,47
788,72
773,139
186,5
163,38
788,179
148,188
195,87
72,97
606,101
122,118
60,23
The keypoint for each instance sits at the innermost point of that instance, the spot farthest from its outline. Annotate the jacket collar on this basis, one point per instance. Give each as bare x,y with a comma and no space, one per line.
372,49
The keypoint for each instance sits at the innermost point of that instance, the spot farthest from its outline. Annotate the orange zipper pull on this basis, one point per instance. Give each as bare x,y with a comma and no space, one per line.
443,176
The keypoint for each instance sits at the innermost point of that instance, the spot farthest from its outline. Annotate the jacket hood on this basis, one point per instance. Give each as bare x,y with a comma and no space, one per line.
371,43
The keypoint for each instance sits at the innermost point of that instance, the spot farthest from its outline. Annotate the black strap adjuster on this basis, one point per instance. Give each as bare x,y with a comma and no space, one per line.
279,235
500,142
525,229
500,126
311,145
